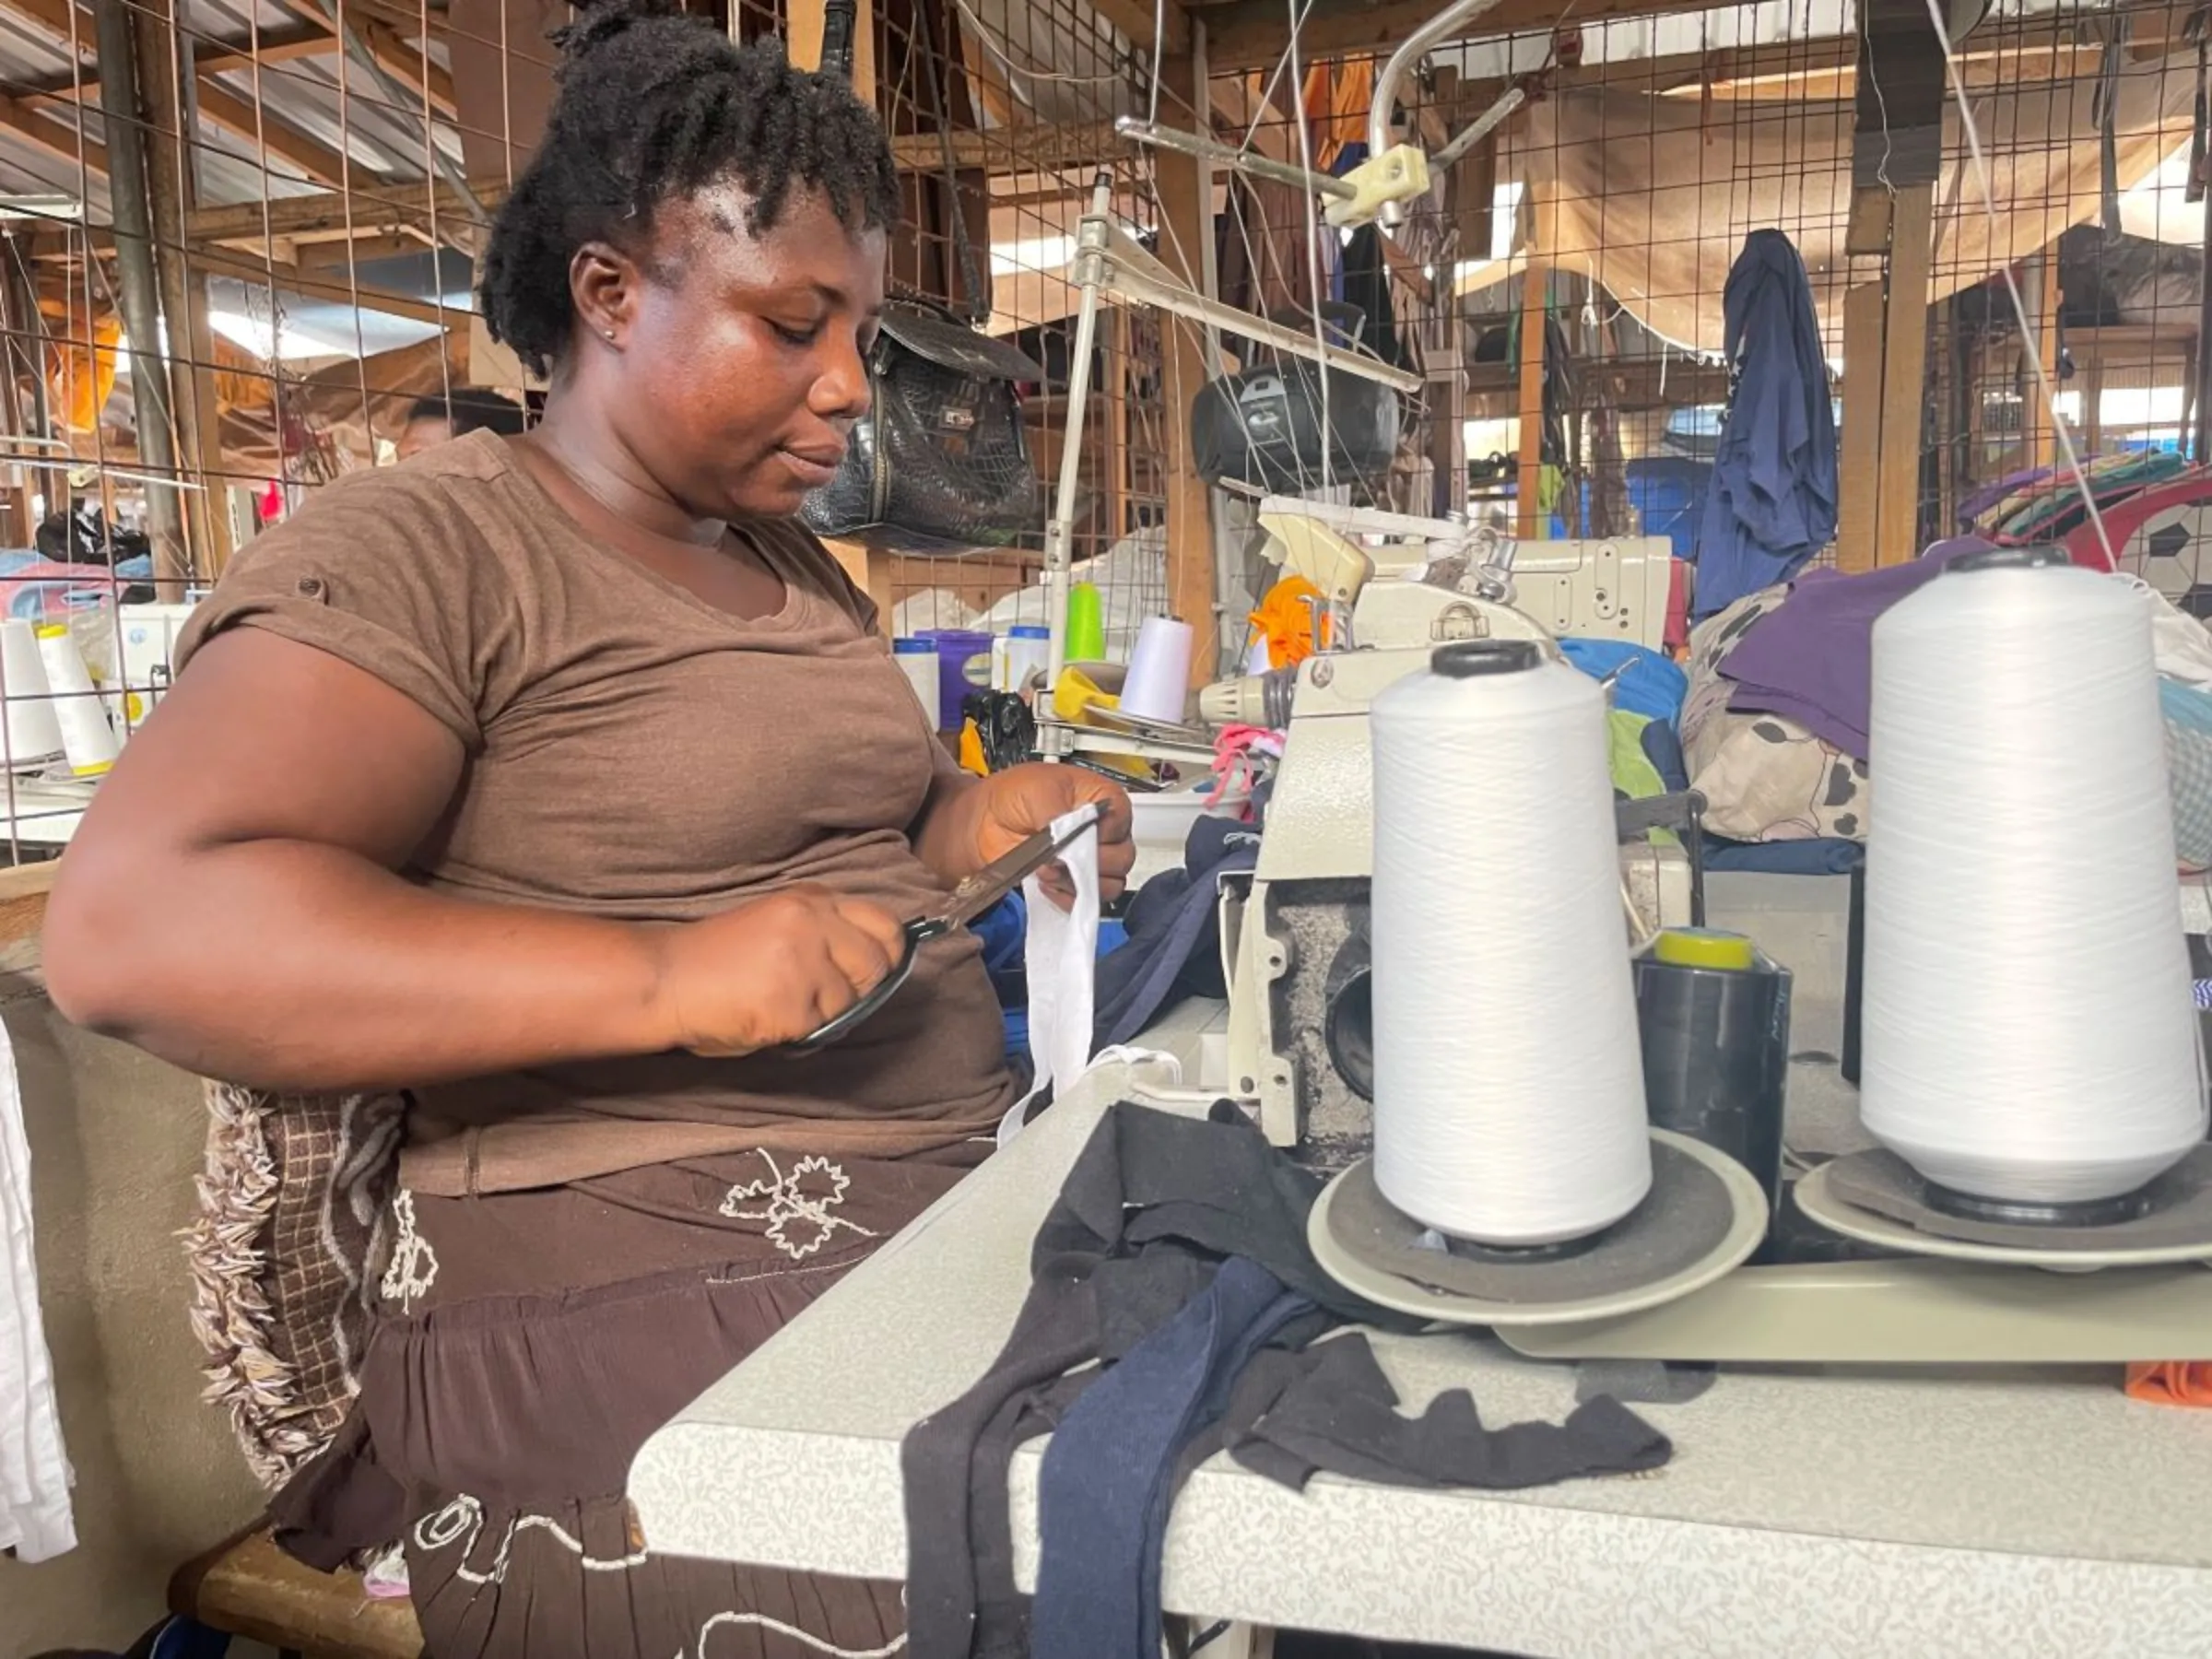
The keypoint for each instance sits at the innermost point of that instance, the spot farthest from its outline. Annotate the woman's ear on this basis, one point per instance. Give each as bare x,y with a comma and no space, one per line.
603,286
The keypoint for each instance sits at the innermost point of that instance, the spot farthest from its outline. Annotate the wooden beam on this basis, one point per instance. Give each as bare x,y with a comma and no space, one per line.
987,82
1132,20
347,255
291,279
1904,375
1185,190
2041,422
54,17
210,57
1252,34
53,136
285,45
164,60
23,890
1859,485
260,126
374,211
1530,523
407,64
1025,148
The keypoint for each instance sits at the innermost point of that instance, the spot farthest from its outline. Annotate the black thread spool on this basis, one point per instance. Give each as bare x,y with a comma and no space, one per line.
1713,1015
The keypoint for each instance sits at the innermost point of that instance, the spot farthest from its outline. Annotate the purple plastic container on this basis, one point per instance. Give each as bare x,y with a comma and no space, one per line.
955,648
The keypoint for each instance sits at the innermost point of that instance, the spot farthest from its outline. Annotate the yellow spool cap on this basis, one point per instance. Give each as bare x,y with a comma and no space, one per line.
1704,947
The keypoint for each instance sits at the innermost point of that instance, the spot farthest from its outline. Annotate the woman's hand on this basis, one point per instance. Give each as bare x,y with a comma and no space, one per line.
772,972
1012,805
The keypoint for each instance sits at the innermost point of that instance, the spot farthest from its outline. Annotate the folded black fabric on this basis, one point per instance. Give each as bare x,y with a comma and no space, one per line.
1330,1408
1156,1210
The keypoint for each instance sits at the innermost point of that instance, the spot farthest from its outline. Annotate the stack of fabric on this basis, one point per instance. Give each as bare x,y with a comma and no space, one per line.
1174,1312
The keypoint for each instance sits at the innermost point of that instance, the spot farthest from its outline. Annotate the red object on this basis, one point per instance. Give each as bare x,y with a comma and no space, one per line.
271,505
2172,1382
1677,638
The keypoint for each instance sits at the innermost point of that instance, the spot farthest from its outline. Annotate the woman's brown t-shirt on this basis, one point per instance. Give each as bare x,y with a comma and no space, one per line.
634,753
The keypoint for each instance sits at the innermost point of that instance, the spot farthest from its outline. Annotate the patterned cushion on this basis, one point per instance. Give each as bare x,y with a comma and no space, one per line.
1765,777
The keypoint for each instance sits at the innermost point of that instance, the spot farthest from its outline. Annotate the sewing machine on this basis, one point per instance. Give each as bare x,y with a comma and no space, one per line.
1295,939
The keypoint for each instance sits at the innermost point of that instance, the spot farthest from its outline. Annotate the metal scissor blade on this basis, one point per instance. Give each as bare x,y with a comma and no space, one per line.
980,891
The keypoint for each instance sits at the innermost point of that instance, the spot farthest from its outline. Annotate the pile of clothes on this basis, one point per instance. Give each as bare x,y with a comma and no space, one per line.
1775,727
1174,1312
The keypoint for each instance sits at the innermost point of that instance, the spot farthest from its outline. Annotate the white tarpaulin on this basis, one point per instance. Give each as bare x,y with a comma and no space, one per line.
1653,197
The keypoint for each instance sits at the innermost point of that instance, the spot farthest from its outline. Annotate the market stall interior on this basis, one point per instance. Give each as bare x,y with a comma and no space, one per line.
1499,483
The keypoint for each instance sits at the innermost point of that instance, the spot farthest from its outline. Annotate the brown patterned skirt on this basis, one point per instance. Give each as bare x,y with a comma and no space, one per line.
528,1344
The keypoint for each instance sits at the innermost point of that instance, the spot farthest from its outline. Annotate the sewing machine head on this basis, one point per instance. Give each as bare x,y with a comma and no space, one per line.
1295,934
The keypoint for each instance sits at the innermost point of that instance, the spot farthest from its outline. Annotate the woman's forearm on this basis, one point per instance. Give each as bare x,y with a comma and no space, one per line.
290,966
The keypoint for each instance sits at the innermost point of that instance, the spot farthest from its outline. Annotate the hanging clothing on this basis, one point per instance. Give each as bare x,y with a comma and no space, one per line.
1771,502
35,1520
1337,98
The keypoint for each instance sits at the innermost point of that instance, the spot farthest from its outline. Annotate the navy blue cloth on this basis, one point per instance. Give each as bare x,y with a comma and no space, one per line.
1110,1472
1662,746
1771,502
1823,856
1175,934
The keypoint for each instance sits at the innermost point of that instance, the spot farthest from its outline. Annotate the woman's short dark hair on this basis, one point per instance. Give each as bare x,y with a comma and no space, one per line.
654,106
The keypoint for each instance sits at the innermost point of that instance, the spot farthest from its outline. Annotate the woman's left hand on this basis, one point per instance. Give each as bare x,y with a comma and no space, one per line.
1013,804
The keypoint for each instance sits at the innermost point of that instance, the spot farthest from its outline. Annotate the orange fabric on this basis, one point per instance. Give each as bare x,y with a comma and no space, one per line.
1286,620
242,382
2172,1382
81,372
1337,99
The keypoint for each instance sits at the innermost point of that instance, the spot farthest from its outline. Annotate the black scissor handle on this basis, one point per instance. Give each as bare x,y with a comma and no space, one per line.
880,992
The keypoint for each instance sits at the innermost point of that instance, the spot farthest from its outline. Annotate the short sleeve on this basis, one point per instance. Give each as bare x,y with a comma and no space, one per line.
386,571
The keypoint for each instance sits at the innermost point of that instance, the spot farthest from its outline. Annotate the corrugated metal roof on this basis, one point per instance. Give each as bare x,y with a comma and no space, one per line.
327,99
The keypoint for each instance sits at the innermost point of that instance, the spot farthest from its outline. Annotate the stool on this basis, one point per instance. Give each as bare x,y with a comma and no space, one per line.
249,1587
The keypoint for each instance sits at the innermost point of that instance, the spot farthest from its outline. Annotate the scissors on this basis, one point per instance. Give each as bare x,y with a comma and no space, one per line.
970,900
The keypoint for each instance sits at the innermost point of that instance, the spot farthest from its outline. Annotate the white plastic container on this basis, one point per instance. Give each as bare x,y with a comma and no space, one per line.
917,659
1020,656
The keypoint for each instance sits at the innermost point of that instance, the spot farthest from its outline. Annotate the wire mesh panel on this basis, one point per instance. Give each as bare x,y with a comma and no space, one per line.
240,239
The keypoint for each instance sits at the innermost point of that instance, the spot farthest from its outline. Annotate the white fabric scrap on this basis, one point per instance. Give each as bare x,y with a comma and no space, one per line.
1061,961
35,1477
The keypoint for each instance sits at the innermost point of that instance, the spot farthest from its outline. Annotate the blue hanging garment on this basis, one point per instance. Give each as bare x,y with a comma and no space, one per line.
1771,502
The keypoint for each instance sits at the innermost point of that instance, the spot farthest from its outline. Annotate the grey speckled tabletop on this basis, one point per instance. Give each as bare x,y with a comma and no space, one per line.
1889,1516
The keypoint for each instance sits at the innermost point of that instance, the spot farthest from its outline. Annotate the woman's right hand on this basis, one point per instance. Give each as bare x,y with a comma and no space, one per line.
772,972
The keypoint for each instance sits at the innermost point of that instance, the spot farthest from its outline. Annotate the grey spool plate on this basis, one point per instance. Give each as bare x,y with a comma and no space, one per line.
1704,1215
1817,1199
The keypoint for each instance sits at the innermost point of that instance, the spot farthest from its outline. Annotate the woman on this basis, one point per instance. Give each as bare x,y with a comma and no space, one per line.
559,780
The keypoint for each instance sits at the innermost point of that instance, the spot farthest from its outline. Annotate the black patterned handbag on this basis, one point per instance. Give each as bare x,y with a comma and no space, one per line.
942,456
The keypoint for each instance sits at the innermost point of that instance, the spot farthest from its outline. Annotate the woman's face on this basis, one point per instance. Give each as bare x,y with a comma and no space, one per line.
740,362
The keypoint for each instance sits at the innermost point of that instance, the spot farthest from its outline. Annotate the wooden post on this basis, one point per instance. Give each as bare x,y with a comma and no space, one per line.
803,41
2045,451
1186,188
171,193
1859,460
1530,521
870,567
1904,375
